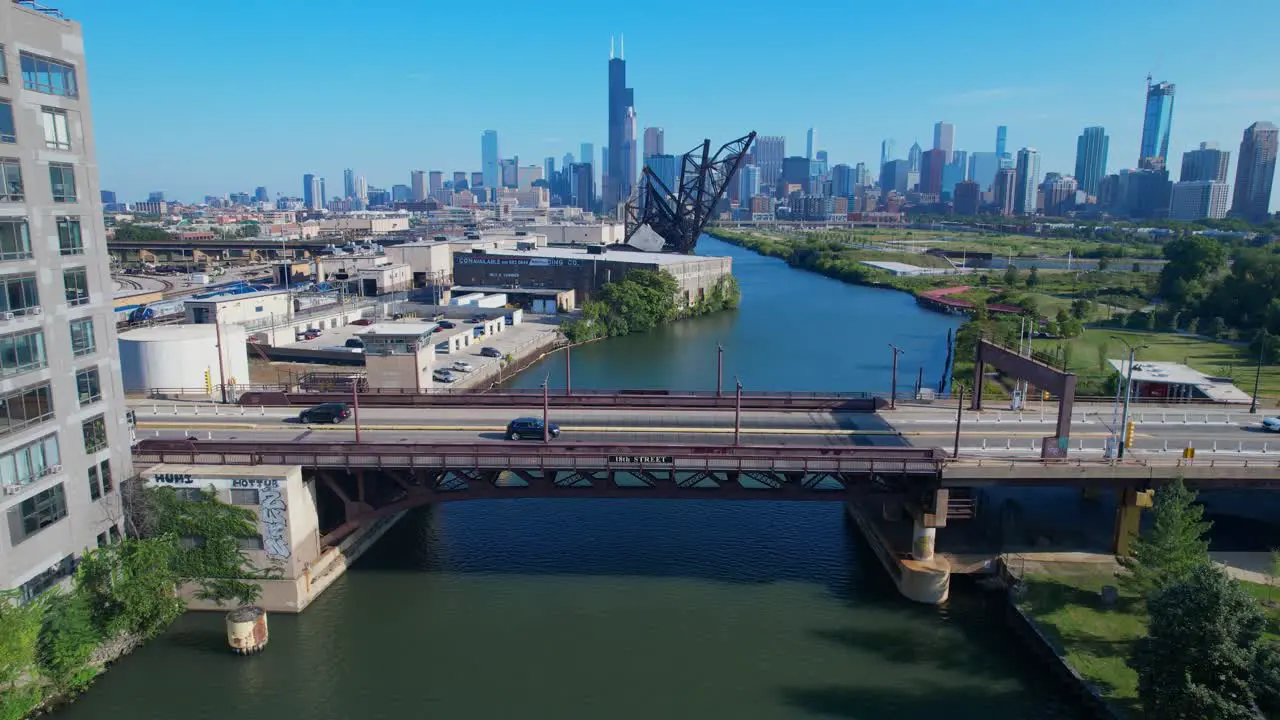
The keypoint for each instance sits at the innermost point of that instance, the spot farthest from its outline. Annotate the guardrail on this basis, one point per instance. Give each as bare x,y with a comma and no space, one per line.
549,456
622,399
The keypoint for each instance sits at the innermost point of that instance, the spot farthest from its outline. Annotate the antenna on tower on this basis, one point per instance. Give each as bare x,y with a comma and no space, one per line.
610,47
1148,80
622,47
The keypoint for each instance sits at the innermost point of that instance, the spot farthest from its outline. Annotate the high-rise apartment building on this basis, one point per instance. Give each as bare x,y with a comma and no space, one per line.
489,159
1004,188
842,181
260,194
323,197
1059,194
795,172
1198,200
435,181
64,439
769,151
1208,163
653,141
1002,139
665,167
748,184
944,138
460,179
1028,169
954,173
810,143
348,183
1157,122
1091,158
1255,172
617,183
983,167
311,192
418,185
931,164
897,176
587,154
582,187
861,176
968,197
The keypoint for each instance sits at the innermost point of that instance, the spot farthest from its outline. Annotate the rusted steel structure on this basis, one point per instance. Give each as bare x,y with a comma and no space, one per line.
1039,374
622,399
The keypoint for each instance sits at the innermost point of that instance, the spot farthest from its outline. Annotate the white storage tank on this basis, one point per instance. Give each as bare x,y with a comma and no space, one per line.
176,356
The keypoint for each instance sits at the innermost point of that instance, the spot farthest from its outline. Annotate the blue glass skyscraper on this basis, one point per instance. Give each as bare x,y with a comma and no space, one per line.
489,159
1156,124
1091,158
1002,136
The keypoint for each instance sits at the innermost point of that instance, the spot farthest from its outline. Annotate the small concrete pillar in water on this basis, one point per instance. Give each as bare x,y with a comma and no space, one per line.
247,630
923,540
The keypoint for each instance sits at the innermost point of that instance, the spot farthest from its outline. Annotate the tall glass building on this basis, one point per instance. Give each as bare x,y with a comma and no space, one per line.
1156,124
489,159
1091,158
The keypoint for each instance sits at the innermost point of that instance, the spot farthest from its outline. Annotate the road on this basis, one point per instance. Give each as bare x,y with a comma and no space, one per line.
982,435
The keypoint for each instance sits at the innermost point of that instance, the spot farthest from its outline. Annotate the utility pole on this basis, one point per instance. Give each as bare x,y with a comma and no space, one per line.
1128,393
719,369
355,404
546,410
893,387
568,369
737,414
1257,375
955,453
222,375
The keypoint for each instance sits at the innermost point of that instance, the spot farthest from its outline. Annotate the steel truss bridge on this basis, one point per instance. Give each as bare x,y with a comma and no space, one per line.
626,399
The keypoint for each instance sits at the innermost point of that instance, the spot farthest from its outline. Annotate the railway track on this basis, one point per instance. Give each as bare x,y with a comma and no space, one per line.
128,283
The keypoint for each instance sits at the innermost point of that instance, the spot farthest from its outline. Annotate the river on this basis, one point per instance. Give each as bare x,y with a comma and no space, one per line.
629,609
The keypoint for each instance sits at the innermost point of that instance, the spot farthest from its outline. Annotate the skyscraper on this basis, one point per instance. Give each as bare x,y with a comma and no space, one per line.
1208,163
795,171
810,142
1091,158
769,151
1005,190
968,198
418,185
1255,172
1156,124
664,166
617,184
944,138
628,172
459,180
983,167
913,156
324,199
311,192
549,168
64,452
362,190
587,156
260,194
887,147
1024,198
931,163
842,181
1002,137
1198,200
653,143
1059,195
489,158
435,181
348,183
748,184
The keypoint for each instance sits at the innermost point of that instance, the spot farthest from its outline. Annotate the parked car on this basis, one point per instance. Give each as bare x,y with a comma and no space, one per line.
333,412
448,325
355,343
1271,424
362,321
529,428
490,352
476,319
444,375
463,366
308,334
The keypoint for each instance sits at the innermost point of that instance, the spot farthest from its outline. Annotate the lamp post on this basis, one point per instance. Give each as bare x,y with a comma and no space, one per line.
355,405
893,386
568,369
719,369
1128,392
737,414
546,409
955,453
1257,375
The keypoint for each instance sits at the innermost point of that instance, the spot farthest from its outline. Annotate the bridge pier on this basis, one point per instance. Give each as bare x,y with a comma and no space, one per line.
921,575
1129,518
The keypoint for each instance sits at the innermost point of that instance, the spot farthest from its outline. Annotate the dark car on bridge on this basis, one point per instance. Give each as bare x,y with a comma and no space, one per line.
527,428
490,352
334,412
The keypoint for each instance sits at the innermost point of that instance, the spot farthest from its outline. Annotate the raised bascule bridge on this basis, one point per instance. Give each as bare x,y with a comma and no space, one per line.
663,219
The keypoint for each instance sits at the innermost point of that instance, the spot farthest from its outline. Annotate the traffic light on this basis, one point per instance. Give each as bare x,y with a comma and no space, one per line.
208,381
1128,434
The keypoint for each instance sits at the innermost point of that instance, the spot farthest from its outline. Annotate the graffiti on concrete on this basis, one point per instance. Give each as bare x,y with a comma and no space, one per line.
275,526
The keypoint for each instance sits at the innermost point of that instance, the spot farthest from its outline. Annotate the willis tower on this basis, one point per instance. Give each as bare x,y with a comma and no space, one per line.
621,167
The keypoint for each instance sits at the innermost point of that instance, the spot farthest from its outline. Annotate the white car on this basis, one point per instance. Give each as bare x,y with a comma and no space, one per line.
1271,424
463,366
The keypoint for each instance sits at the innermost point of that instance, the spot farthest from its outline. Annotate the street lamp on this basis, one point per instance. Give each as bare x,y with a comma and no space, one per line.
955,453
737,413
893,387
719,369
1257,376
546,408
1118,432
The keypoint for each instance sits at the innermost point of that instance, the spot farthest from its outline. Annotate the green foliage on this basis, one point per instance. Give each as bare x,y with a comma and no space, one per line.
1011,276
17,703
642,301
1266,678
1192,260
131,586
1173,547
1033,277
1198,659
19,634
68,638
138,233
212,558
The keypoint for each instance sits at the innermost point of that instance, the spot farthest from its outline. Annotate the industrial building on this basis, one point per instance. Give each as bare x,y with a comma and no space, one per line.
64,442
584,270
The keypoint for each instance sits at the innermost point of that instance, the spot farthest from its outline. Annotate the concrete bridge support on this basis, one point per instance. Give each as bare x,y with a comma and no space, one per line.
1129,518
921,575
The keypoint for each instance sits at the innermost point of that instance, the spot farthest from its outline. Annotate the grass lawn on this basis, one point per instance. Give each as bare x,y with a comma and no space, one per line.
1095,641
1207,356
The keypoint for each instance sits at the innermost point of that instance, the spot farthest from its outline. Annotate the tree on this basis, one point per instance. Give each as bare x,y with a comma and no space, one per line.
19,633
1011,276
131,586
1104,263
1173,546
1033,277
1198,659
1193,326
67,640
1217,328
1191,261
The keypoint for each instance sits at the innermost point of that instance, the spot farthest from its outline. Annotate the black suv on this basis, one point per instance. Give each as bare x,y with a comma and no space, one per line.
334,412
527,428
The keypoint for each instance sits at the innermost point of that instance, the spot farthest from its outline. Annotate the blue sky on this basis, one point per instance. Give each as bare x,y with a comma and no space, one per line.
200,98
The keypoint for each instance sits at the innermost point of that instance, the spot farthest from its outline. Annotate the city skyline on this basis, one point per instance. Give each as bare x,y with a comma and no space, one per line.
149,142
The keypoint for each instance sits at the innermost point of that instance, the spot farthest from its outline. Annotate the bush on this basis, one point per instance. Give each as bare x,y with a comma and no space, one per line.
67,641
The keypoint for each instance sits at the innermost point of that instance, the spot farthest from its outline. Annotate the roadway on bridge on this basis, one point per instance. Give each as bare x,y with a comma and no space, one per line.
985,434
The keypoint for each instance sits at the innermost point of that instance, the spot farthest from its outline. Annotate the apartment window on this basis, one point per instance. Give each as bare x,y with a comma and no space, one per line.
4,67
56,134
25,465
15,240
76,283
19,294
102,539
95,434
62,178
82,341
95,485
8,131
11,180
36,586
37,513
88,386
107,483
253,542
24,408
69,240
22,352
244,496
48,76
189,494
